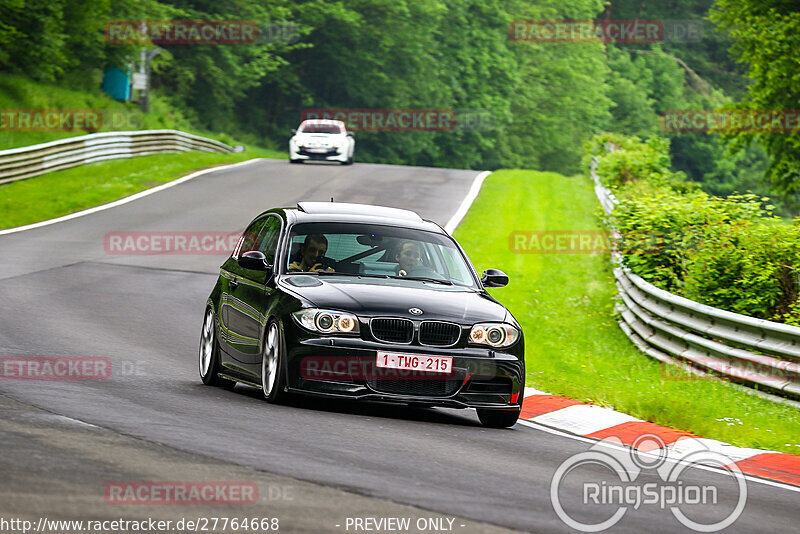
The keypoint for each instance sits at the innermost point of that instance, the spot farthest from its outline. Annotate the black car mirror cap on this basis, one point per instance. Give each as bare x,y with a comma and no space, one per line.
255,261
494,278
351,134
294,131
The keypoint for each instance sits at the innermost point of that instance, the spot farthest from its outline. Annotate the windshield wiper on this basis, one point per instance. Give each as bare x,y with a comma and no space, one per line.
349,274
424,279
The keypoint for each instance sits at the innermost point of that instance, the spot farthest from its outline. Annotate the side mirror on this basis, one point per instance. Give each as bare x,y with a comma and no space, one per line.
494,278
351,134
294,131
255,261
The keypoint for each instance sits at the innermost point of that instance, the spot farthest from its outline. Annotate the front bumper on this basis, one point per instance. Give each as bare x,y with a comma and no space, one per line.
330,154
345,368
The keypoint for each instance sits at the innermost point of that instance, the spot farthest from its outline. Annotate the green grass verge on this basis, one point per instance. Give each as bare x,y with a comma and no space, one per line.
18,93
574,347
63,192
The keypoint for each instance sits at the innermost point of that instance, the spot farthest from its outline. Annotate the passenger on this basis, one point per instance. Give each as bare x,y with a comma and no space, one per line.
313,248
408,257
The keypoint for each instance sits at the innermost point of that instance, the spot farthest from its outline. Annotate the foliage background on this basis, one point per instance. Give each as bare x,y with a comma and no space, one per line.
544,100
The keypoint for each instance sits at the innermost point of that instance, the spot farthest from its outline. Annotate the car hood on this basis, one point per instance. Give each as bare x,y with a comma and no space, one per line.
394,298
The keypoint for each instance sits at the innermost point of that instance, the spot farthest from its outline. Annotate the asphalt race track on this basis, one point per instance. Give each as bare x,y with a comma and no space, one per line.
316,462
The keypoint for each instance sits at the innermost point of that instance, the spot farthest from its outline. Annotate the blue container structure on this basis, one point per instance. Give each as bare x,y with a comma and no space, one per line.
117,83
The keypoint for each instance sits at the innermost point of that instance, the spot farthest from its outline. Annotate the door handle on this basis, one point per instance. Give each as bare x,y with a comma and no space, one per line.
233,283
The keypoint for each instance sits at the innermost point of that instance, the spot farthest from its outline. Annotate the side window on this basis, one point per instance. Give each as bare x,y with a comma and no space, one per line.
457,270
268,238
248,240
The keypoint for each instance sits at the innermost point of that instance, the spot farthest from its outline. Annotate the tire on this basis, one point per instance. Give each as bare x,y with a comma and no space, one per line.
272,363
208,355
295,161
498,418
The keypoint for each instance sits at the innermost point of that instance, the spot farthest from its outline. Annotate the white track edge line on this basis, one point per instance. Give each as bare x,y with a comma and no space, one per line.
127,199
458,216
751,478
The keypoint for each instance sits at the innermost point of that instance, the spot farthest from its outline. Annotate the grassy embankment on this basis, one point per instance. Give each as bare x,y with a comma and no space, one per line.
63,192
565,301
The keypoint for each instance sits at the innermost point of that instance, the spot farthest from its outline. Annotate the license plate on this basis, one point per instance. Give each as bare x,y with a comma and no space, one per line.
415,362
318,150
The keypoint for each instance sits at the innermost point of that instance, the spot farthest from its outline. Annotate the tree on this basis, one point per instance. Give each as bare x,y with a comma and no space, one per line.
767,35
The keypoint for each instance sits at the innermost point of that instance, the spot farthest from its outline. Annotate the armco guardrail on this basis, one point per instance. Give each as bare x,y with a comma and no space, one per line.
702,339
29,161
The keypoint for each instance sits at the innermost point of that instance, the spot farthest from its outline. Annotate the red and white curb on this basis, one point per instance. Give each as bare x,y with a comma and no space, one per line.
595,422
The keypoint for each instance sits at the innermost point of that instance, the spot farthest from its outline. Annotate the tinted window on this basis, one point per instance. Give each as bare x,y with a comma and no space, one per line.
249,237
376,250
267,241
321,128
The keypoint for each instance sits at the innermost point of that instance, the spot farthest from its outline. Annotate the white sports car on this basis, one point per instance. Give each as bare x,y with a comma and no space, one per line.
322,139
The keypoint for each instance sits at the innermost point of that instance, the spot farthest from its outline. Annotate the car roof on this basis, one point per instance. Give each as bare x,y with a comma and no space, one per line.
359,213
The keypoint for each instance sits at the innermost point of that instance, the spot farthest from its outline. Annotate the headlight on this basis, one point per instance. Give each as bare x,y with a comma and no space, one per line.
326,321
494,334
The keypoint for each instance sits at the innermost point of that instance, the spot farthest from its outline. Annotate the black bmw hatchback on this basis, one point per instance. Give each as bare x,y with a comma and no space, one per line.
362,302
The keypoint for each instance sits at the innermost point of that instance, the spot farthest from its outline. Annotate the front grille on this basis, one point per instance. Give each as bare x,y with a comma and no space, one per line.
431,387
392,330
436,333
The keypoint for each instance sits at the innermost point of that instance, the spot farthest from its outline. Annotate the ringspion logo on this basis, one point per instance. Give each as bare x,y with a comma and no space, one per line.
612,483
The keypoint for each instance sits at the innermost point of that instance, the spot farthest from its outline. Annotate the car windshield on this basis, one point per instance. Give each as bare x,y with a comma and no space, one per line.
377,251
321,128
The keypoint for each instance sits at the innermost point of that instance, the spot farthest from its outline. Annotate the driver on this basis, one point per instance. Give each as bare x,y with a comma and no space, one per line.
313,248
408,257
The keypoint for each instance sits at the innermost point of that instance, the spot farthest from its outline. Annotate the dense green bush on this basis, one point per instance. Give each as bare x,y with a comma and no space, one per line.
752,269
661,231
630,160
730,252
